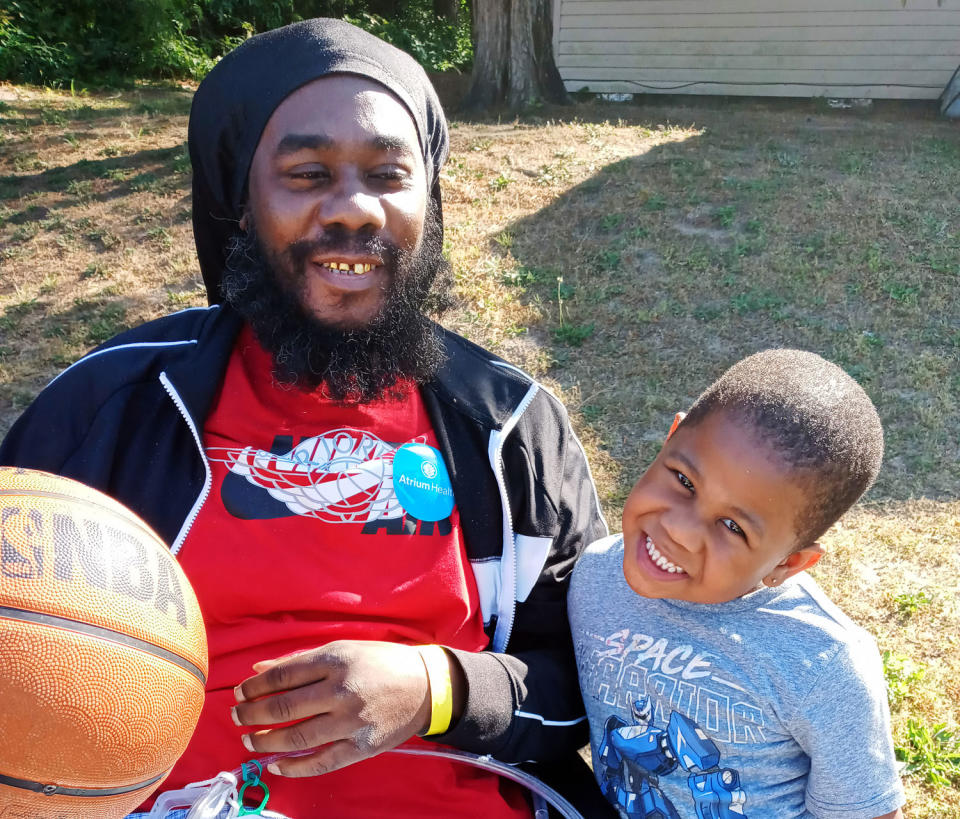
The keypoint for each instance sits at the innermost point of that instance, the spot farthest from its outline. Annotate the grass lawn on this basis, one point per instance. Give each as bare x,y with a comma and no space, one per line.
625,254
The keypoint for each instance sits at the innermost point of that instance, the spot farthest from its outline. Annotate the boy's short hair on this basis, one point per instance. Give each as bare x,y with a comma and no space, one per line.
814,416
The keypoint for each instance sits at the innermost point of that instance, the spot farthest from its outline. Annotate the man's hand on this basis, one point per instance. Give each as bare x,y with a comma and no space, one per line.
355,698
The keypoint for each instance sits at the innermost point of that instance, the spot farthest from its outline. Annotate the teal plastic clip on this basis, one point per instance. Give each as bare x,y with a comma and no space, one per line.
252,780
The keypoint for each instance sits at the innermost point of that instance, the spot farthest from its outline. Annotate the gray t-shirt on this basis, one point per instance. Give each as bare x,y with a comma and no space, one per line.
770,705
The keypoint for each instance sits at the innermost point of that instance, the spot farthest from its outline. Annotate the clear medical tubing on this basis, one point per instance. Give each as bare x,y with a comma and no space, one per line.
541,793
217,798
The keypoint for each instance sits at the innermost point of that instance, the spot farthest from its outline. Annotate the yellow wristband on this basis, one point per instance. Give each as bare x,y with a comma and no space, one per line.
441,688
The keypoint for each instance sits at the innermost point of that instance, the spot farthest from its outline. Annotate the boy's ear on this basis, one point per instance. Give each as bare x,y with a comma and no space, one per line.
244,221
794,563
676,422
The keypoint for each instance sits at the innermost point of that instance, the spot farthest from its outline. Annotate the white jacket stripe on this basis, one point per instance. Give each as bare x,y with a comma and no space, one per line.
506,598
596,497
120,347
549,722
208,475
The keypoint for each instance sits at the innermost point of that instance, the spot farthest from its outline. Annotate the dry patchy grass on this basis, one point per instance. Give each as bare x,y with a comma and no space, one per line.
624,254
893,567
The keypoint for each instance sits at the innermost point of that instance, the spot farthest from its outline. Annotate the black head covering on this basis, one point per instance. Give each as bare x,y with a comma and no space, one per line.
235,100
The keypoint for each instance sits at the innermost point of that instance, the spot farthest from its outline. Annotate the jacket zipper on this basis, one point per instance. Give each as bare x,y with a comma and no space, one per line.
208,478
507,610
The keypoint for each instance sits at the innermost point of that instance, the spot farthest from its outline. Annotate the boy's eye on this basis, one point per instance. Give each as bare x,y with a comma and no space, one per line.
685,482
733,526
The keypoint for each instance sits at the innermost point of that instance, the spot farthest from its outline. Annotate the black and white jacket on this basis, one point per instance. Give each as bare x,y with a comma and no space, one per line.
128,418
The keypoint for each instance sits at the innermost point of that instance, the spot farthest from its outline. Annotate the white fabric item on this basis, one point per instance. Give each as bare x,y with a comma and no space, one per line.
487,574
531,557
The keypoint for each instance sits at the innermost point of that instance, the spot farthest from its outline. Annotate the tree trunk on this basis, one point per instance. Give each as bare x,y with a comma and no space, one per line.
490,43
513,55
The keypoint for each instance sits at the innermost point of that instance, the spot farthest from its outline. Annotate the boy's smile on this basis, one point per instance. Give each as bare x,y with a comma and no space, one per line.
713,517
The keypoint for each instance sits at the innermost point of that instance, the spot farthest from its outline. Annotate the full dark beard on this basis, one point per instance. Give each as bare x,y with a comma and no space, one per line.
354,365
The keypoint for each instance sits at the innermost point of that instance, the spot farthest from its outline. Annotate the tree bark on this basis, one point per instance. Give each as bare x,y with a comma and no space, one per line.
513,61
490,44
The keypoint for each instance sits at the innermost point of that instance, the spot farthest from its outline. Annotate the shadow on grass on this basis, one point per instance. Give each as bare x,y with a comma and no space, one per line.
691,107
665,268
30,114
62,336
112,176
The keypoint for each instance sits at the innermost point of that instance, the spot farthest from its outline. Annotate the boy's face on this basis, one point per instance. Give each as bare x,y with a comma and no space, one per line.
713,517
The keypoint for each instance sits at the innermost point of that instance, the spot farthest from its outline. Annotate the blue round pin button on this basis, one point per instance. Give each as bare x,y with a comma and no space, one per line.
421,482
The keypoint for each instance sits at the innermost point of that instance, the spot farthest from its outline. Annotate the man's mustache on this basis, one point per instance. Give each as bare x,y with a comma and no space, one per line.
338,242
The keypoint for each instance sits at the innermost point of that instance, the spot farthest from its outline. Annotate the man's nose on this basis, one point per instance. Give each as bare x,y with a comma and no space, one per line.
350,204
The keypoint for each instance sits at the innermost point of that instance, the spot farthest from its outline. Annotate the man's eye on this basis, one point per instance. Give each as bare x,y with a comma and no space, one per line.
311,174
685,482
389,175
733,526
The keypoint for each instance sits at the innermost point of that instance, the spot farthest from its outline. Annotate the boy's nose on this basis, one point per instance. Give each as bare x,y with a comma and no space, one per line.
684,529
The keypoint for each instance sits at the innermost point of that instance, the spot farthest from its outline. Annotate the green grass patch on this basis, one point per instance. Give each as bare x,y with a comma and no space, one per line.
909,604
903,677
573,335
931,753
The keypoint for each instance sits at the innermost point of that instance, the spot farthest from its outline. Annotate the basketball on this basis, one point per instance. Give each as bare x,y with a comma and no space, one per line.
103,654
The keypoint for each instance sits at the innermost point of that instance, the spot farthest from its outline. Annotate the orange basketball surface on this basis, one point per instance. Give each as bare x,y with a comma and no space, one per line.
103,655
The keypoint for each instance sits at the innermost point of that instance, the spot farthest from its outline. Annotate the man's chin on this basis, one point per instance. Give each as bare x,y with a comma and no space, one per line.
356,360
354,365
342,321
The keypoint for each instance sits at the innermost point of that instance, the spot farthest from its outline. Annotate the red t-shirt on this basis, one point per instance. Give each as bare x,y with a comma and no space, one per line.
328,522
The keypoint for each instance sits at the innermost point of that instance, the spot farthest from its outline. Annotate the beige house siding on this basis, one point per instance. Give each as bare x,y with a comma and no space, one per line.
902,49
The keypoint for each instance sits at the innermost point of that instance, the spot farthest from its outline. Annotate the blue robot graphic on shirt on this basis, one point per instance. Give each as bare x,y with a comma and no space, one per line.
633,758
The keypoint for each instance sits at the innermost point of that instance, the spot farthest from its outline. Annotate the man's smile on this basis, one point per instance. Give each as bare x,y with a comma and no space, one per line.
355,269
349,273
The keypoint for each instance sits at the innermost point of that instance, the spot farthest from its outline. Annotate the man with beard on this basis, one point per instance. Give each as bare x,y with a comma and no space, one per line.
378,517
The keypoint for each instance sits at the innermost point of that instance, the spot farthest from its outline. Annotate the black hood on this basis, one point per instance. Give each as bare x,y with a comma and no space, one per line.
236,99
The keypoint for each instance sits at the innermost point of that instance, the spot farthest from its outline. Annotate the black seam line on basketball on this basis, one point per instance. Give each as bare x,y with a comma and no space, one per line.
105,633
49,789
87,501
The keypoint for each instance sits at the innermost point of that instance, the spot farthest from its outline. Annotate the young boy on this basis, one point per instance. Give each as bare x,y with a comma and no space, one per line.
719,680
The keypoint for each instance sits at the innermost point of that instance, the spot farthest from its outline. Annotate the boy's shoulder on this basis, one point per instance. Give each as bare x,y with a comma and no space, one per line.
804,606
605,545
599,558
815,650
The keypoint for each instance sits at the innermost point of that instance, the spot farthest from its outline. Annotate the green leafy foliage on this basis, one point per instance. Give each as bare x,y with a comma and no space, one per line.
28,57
55,44
903,677
436,44
931,753
910,603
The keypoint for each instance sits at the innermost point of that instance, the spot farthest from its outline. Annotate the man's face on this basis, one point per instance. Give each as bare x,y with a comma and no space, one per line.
337,188
712,517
